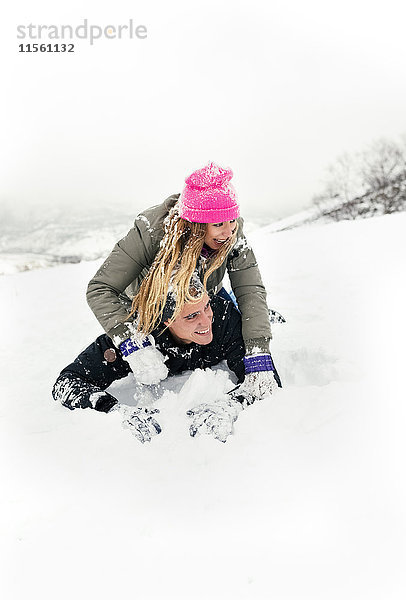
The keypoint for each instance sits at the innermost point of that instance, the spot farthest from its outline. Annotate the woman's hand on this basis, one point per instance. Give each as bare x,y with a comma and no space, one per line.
140,421
255,386
146,362
216,418
260,380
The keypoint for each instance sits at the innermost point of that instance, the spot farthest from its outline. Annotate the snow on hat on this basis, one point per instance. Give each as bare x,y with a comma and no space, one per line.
196,289
208,196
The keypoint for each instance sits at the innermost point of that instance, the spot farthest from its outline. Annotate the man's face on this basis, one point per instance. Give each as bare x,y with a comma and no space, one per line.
218,233
193,324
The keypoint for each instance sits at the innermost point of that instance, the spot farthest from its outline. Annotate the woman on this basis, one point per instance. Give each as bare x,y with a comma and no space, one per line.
199,229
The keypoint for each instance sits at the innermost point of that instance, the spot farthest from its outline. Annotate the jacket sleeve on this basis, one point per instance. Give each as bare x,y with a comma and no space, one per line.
234,349
246,281
128,258
227,338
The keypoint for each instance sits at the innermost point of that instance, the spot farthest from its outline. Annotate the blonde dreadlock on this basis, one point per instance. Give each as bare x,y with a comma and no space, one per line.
173,268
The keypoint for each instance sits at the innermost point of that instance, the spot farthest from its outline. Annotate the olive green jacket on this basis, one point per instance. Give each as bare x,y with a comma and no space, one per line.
111,290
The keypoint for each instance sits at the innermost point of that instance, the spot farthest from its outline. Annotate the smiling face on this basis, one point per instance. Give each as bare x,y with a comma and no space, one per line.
193,324
218,233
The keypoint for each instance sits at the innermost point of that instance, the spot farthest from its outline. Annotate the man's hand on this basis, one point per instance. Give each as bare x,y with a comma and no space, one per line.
140,422
216,419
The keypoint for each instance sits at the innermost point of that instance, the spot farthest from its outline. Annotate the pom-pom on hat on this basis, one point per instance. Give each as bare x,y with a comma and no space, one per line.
208,196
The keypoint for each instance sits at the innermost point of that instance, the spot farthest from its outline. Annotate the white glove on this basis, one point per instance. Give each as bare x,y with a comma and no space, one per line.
148,365
255,386
216,418
145,360
139,421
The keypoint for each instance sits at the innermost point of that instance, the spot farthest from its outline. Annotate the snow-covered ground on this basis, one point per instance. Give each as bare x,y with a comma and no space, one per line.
304,217
48,238
306,500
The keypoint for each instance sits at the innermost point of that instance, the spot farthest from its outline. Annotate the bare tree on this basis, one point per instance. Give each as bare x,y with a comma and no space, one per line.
383,171
365,184
344,181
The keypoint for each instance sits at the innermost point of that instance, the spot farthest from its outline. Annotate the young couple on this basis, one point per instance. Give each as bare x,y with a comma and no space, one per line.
160,300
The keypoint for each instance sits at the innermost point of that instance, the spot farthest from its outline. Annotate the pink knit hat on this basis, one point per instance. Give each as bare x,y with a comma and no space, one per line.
208,196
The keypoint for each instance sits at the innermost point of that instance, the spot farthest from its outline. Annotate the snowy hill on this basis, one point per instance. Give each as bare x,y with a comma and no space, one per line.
58,237
303,217
306,500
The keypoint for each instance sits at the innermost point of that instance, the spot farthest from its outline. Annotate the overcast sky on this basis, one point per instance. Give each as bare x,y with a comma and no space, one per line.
275,89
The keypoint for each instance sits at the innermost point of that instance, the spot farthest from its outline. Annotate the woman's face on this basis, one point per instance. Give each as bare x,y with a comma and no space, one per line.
219,233
194,323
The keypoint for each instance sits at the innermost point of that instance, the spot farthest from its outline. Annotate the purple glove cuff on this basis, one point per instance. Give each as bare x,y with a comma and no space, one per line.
129,346
261,362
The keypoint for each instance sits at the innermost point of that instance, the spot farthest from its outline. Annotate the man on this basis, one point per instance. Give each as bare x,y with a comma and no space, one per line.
202,335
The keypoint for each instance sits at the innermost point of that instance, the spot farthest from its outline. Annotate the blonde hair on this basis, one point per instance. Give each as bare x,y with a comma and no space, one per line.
172,269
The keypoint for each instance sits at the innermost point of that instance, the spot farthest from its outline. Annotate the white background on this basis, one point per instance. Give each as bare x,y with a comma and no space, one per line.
276,90
306,500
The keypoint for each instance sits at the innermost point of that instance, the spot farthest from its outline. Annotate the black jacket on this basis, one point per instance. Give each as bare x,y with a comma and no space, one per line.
227,343
101,363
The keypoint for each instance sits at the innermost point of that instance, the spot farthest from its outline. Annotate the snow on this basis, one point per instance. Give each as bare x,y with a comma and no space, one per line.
305,501
303,217
48,238
147,224
26,261
37,242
